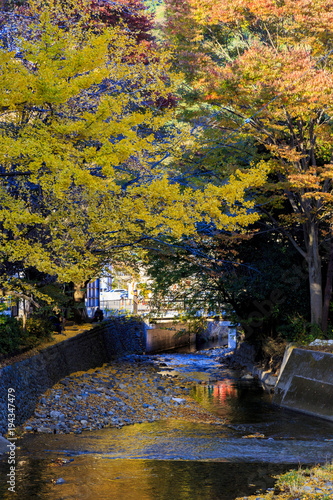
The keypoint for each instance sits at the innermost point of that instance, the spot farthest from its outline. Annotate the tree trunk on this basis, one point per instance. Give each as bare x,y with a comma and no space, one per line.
24,316
315,282
328,289
79,295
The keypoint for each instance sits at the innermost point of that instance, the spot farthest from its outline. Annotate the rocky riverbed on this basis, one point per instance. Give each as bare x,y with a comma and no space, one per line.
126,391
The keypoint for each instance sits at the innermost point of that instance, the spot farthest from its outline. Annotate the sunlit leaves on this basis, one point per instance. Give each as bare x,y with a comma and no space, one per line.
90,151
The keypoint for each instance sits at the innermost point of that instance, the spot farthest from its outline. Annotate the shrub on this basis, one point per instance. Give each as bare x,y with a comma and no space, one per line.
301,331
38,329
11,335
15,339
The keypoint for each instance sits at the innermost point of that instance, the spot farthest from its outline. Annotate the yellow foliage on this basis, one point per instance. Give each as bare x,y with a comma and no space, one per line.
89,174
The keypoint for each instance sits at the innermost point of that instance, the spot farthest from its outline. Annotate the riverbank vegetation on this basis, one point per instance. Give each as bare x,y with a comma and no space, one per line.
315,483
251,70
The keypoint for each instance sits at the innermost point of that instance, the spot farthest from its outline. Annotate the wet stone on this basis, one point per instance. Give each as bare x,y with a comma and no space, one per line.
55,414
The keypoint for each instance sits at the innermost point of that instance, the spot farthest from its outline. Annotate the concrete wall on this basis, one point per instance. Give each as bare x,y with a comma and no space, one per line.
305,382
32,376
167,335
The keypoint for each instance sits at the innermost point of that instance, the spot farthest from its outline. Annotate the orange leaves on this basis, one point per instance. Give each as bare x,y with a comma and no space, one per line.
261,73
305,180
308,15
286,152
241,12
273,80
326,173
313,186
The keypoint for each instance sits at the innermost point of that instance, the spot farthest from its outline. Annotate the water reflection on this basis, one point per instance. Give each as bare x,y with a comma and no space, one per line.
222,390
175,460
96,478
247,409
238,402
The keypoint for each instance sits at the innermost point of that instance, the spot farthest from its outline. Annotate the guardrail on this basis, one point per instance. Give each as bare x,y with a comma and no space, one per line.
124,305
135,306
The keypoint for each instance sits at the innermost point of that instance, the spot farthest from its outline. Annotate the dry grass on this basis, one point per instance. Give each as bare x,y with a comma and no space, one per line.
303,484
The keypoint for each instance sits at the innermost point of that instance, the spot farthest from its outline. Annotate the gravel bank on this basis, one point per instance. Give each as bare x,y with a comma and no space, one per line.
126,391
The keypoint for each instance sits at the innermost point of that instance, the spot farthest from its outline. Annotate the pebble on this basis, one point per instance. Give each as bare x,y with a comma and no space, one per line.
123,392
55,414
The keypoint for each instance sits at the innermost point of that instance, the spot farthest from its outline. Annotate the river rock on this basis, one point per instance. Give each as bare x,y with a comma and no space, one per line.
55,414
98,399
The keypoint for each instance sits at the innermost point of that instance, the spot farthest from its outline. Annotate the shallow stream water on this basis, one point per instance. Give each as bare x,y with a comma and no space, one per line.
176,460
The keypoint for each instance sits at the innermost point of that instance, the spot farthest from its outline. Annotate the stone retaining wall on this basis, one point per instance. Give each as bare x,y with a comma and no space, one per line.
243,358
305,382
32,376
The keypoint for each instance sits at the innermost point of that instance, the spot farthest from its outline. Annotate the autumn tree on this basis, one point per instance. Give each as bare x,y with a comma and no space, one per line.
127,15
272,88
86,150
254,279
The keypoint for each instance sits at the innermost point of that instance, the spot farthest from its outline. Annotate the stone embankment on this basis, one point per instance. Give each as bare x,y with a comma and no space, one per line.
129,390
243,359
29,377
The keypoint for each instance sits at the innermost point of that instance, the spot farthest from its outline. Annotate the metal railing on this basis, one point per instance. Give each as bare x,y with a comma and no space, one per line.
136,306
121,306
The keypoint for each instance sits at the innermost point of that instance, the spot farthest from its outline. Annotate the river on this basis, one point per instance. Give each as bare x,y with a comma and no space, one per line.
176,460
